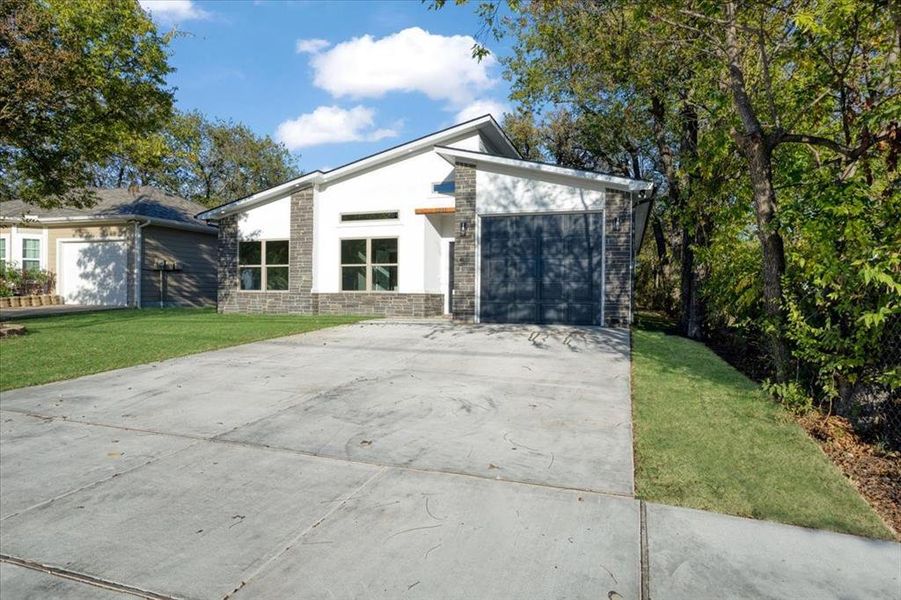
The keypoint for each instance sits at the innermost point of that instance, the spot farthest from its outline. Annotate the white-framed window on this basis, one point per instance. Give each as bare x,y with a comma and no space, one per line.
31,254
263,265
4,252
369,265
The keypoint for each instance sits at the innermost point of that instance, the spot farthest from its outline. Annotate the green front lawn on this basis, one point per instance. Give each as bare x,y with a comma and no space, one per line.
707,437
67,346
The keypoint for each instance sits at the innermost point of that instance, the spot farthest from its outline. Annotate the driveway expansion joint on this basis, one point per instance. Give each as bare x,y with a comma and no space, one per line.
85,579
216,439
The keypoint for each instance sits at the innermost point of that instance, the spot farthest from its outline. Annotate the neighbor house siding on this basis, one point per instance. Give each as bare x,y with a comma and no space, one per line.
193,283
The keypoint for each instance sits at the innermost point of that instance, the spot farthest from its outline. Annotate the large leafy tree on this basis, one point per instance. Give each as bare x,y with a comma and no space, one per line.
211,161
78,80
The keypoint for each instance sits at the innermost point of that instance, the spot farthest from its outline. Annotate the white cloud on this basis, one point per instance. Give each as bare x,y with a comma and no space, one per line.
330,125
173,11
477,108
312,46
412,60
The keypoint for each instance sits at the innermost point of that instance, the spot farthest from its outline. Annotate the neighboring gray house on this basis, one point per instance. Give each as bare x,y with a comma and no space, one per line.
453,223
134,247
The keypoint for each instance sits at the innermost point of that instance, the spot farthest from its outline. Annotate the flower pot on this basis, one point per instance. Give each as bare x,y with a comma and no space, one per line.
15,302
27,301
46,299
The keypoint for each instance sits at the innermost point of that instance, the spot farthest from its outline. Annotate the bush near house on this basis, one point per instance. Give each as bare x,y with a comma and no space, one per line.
18,281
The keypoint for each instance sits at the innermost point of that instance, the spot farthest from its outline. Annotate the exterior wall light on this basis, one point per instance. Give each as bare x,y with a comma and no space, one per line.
464,228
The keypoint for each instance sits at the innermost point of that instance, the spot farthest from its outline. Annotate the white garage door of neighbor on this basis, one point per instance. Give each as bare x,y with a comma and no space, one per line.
94,272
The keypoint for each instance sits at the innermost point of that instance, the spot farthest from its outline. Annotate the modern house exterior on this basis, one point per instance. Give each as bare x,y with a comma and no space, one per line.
135,247
453,223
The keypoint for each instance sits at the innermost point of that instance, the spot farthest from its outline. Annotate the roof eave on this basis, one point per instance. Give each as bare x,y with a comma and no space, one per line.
452,154
110,219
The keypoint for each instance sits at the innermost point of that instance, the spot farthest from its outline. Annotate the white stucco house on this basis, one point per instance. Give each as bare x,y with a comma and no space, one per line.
453,223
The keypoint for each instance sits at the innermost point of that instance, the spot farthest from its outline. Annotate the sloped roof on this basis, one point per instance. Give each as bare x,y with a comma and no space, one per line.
485,124
143,201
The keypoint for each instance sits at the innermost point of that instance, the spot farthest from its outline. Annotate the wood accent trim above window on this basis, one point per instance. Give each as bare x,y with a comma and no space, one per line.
448,210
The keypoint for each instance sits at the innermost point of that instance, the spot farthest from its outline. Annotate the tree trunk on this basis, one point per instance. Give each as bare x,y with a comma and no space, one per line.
760,167
755,146
691,315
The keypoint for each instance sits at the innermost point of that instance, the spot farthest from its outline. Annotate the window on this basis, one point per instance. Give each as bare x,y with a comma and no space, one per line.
31,254
369,265
2,250
263,265
444,187
373,216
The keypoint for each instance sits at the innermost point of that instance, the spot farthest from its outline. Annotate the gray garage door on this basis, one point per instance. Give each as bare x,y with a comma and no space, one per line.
542,269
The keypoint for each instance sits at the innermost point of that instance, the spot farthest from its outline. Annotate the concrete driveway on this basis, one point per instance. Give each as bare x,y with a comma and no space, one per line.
379,460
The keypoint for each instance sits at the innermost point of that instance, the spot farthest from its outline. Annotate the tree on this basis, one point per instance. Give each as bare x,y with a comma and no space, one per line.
78,79
209,161
750,79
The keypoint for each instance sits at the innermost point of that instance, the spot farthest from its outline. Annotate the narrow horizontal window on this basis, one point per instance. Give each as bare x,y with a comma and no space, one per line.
373,216
444,187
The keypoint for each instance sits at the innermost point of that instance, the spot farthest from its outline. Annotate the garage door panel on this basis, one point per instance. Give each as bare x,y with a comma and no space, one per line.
541,269
94,272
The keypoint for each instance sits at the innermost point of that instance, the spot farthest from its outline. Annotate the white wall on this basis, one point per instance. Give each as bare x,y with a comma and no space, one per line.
270,221
498,193
403,186
14,236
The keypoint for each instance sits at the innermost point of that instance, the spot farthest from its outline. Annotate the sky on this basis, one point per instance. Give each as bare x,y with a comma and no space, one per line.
333,81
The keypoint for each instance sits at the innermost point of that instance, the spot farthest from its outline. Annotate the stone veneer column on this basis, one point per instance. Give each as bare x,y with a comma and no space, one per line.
228,264
300,268
464,305
618,258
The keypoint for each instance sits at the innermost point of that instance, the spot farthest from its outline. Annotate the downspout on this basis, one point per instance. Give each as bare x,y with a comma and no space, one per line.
139,259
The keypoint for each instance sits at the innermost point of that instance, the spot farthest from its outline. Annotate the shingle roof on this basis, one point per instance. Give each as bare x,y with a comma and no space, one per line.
143,201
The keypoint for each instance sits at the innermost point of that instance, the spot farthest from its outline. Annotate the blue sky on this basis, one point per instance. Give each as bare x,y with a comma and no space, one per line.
334,81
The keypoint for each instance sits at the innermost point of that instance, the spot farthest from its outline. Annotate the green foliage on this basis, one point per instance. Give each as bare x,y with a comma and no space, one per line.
77,77
210,161
16,281
790,395
843,288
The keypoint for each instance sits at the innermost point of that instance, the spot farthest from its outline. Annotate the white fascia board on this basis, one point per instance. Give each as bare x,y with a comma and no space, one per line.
322,177
107,220
451,155
244,203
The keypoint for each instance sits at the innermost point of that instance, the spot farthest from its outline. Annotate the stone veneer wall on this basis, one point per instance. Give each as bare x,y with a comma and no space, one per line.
380,304
464,294
618,259
298,298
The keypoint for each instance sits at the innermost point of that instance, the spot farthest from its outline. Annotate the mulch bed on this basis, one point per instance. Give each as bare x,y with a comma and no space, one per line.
876,474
